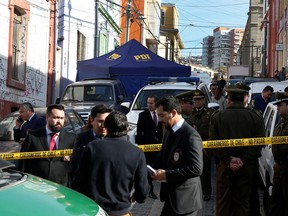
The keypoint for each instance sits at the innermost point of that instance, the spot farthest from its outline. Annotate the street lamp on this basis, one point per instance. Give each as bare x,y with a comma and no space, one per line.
252,56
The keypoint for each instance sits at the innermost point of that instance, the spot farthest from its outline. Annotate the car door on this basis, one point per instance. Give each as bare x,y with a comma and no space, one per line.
266,161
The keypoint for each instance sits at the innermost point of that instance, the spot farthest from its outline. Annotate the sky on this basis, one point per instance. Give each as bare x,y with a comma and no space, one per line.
197,19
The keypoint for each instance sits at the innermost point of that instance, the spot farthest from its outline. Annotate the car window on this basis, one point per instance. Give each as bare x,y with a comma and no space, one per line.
266,114
73,123
120,90
206,92
6,128
269,123
141,101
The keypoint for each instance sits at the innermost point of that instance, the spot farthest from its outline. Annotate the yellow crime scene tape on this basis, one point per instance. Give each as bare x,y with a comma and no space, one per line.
154,147
228,143
35,154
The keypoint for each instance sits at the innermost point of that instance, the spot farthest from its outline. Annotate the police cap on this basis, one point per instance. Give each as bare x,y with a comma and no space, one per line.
241,85
280,97
185,96
198,94
235,89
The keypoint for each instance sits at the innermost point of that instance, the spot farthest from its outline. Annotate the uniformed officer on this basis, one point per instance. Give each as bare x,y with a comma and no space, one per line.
200,120
236,167
279,198
241,85
186,102
254,202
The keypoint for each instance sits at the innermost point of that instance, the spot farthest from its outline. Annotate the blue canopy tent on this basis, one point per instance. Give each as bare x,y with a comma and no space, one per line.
132,63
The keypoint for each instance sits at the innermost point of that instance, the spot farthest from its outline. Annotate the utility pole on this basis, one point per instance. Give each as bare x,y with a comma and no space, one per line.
141,19
252,56
128,15
96,29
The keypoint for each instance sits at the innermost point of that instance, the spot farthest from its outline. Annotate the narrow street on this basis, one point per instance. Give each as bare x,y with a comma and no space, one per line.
153,207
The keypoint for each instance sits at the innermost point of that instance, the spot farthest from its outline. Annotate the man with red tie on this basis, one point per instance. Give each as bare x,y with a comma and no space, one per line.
50,137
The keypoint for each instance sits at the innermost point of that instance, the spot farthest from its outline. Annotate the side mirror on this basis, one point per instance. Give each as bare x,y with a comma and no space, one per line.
126,104
57,100
120,98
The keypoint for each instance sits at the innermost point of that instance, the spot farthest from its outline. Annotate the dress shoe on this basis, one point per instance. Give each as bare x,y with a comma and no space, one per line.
152,195
207,197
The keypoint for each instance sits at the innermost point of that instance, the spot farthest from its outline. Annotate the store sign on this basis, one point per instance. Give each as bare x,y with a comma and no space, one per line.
279,46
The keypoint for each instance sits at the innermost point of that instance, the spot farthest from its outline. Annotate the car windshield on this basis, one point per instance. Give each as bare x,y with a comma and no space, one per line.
8,176
88,93
141,101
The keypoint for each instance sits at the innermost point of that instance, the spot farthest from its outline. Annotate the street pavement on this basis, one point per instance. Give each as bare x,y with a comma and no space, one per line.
153,207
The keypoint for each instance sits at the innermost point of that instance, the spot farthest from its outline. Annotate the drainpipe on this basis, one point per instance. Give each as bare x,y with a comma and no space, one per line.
54,54
96,30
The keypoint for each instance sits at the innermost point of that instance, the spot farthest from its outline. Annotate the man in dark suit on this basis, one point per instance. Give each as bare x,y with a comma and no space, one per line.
26,121
53,169
112,171
149,131
179,163
98,115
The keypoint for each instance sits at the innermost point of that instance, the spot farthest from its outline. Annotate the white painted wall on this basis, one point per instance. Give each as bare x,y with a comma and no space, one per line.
37,55
80,16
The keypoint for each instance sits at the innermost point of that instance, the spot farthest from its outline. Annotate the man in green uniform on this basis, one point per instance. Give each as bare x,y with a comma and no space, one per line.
186,103
254,202
279,198
200,120
236,167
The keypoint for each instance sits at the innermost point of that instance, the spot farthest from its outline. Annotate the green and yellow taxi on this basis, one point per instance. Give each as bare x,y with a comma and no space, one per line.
25,194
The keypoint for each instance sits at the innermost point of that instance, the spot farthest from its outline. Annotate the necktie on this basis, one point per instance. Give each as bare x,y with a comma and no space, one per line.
155,118
52,144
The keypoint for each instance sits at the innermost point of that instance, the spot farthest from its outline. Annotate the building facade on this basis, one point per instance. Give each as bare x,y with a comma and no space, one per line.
171,42
250,50
85,30
207,51
222,49
23,53
141,21
236,39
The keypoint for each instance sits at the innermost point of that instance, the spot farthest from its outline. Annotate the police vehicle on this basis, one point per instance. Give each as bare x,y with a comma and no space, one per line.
161,87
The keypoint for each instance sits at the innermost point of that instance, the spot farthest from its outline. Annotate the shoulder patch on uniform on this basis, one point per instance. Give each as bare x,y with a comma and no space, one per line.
214,113
257,112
